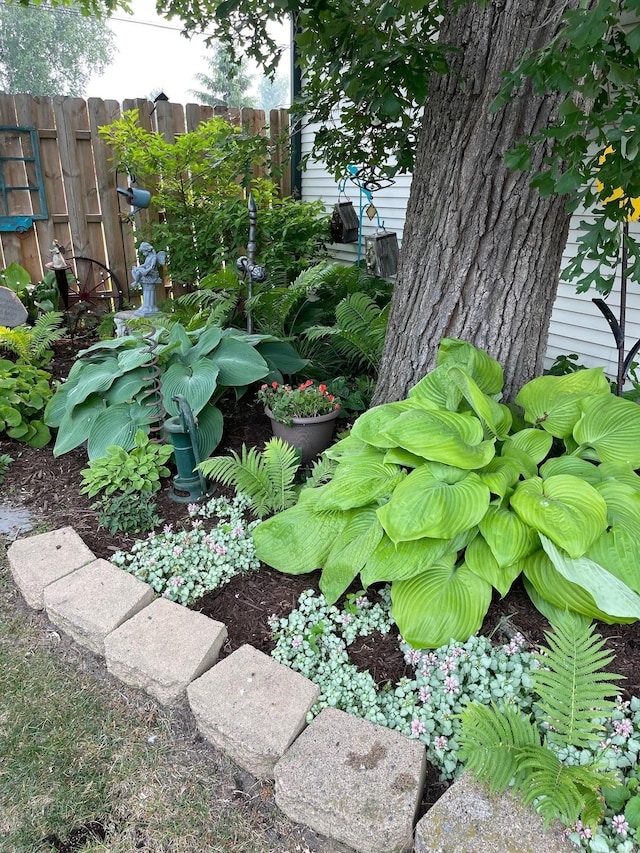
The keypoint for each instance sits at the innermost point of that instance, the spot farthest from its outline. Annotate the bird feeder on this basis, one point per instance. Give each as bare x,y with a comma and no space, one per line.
344,223
381,252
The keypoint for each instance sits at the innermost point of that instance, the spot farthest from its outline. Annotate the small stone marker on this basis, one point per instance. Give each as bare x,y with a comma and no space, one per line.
12,311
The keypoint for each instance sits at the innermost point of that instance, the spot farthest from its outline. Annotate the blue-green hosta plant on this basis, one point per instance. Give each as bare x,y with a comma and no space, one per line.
103,400
449,495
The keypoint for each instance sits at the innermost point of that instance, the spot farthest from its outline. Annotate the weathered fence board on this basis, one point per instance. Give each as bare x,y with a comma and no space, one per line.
85,213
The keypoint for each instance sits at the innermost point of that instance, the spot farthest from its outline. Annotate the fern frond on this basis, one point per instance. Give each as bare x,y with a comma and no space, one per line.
322,472
281,462
559,791
490,740
46,330
266,477
15,340
572,688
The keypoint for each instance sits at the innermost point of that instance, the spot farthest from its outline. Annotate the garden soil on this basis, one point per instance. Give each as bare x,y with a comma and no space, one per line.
50,489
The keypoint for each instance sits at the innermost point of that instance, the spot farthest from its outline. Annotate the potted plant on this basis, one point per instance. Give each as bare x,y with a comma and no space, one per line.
303,416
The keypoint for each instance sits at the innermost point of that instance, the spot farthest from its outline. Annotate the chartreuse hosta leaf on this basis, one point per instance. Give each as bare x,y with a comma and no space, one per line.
392,561
619,473
557,590
553,402
623,504
617,551
423,505
610,594
500,475
611,427
371,426
581,468
439,605
358,483
399,456
566,509
496,416
506,535
350,552
455,439
353,448
534,442
479,558
436,392
484,370
299,539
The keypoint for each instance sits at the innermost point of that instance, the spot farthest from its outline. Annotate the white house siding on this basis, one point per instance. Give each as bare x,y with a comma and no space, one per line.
577,325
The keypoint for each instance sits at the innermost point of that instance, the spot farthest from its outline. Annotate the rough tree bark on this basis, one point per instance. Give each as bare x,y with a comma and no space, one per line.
481,252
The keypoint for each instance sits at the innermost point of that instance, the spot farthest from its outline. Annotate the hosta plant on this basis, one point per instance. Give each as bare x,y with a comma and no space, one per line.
105,398
449,495
24,393
137,470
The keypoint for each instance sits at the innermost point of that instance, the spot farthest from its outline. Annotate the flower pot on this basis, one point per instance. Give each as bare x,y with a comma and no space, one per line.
310,435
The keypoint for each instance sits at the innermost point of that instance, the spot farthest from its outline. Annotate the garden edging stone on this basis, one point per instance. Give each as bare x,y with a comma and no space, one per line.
356,782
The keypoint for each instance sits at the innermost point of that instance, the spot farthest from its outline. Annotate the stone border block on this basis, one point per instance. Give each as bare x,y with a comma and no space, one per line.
468,819
252,708
163,648
40,560
356,782
93,601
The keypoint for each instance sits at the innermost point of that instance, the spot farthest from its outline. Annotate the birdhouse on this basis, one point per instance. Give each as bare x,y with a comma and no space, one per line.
381,253
344,223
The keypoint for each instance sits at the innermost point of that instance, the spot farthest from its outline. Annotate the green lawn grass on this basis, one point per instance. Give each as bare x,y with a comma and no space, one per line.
78,751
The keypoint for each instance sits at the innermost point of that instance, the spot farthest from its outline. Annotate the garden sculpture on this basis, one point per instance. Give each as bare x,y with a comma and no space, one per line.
146,276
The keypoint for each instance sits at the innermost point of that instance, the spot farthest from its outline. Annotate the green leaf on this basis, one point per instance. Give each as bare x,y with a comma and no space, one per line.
553,402
346,558
93,379
76,424
371,425
196,382
507,536
116,425
500,475
496,416
435,391
617,551
566,509
126,387
562,593
623,504
299,539
392,561
358,483
479,558
439,605
210,426
534,442
611,595
581,468
238,363
485,370
282,356
41,436
455,439
208,341
611,427
423,505
632,812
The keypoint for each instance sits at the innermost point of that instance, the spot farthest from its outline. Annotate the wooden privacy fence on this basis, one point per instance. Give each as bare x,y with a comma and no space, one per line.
68,193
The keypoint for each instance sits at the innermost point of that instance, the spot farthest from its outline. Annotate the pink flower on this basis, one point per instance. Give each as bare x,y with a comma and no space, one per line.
623,727
425,694
274,384
296,642
417,728
440,742
451,684
619,824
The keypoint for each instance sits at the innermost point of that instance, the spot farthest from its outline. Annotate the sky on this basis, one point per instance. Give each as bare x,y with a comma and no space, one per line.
151,55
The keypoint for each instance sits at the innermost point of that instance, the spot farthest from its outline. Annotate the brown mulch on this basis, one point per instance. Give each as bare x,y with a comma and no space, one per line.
50,489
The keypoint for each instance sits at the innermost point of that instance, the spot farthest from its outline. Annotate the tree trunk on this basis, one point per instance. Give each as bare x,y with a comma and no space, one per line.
481,252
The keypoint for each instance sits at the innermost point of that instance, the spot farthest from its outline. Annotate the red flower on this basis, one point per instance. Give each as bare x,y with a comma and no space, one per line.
330,398
308,382
274,384
322,388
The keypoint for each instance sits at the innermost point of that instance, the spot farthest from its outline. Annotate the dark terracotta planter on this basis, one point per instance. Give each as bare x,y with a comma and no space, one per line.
310,435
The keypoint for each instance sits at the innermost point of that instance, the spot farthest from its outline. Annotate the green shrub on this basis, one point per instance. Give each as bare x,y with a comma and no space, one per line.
127,512
24,393
447,496
137,470
31,343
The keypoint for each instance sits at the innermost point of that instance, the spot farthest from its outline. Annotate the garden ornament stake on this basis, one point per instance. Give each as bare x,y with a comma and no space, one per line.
183,434
249,270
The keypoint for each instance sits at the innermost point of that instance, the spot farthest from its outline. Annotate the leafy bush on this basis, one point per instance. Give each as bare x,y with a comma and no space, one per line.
205,177
138,470
31,343
103,400
43,296
127,512
24,393
184,565
447,495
